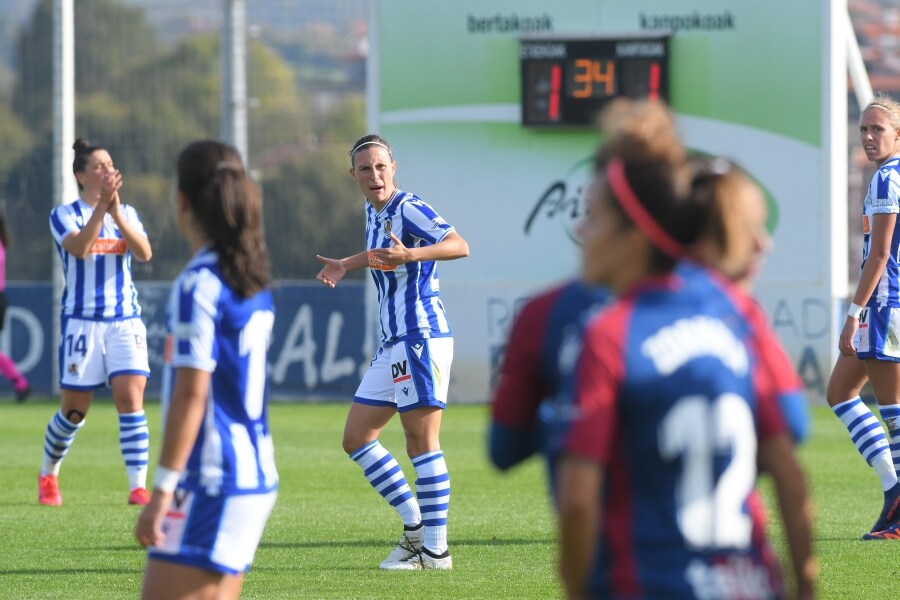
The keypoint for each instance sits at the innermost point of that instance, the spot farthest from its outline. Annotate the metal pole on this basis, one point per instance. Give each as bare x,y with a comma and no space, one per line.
64,187
233,104
862,87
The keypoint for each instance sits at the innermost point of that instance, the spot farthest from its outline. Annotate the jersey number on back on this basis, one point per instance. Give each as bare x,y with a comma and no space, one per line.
254,343
702,433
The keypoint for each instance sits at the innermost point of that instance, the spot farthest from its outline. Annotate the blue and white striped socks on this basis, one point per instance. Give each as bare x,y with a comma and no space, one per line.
134,440
57,440
868,437
891,417
433,492
384,473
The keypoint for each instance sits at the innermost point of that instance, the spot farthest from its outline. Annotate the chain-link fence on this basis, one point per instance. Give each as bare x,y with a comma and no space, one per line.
147,80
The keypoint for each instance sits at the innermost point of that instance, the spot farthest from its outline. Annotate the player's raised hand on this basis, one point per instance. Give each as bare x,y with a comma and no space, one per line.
333,271
398,254
109,190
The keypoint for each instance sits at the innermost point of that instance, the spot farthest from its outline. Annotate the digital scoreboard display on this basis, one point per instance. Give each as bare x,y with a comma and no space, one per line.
566,81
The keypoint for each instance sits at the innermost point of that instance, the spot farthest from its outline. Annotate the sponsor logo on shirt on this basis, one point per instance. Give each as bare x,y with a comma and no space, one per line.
374,263
109,246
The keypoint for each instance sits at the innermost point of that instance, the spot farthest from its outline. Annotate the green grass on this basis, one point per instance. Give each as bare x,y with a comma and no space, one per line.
330,530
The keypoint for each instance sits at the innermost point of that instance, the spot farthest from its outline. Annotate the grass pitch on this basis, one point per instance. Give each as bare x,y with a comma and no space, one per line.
329,529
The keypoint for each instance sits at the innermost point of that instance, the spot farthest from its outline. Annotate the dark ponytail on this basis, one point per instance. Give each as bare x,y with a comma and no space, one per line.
227,206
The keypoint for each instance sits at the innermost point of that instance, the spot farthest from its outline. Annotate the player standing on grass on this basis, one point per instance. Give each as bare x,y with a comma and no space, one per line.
655,480
104,341
410,373
216,481
868,342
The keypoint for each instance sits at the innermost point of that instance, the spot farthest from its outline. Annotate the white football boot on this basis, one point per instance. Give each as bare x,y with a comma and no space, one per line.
410,546
424,561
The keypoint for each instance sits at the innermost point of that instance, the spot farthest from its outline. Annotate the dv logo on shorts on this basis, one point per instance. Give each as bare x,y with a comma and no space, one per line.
399,371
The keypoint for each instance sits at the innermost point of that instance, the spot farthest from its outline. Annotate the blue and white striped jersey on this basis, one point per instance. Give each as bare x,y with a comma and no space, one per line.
98,287
408,295
883,197
215,330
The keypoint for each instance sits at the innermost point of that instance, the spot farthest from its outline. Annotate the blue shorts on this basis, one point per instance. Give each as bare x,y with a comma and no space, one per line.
409,374
878,335
215,533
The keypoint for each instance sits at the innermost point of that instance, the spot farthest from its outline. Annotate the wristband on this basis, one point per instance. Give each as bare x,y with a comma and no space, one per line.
854,311
166,480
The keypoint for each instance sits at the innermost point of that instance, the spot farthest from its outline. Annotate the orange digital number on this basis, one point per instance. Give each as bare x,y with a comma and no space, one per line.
589,72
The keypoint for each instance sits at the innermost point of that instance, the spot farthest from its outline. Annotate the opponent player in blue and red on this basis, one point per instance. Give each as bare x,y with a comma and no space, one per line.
410,373
655,482
103,341
216,481
530,403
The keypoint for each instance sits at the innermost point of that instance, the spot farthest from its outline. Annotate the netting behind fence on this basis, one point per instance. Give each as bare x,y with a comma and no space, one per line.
147,79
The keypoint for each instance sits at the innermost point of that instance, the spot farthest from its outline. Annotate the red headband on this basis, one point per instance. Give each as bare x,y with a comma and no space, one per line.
622,192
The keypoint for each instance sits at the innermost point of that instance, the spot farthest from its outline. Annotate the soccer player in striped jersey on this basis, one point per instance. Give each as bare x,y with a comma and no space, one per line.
103,341
216,481
656,478
868,341
410,372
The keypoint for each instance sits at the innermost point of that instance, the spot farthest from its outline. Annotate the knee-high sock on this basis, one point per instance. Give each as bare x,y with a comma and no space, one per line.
891,417
433,492
868,437
386,476
134,440
57,440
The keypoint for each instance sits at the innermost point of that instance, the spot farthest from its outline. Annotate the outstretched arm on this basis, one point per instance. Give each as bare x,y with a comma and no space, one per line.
335,269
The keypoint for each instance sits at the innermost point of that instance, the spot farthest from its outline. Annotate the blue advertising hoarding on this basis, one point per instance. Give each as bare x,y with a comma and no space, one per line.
317,352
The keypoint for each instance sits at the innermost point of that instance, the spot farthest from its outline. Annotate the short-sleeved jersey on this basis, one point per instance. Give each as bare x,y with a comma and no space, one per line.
99,286
666,399
213,329
408,295
532,395
883,197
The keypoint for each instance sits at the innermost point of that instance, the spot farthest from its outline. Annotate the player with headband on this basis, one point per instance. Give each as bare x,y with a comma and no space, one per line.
667,385
410,372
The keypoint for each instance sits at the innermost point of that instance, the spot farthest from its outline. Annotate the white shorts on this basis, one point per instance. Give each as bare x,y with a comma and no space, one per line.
91,353
409,374
216,533
878,335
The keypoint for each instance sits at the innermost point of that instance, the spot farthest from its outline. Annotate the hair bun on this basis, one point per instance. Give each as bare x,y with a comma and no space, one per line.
642,130
80,144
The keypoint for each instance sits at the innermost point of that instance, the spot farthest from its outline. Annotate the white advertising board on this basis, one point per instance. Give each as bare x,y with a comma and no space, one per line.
758,82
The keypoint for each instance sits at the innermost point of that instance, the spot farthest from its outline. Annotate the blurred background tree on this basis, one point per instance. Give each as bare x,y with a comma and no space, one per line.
145,89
